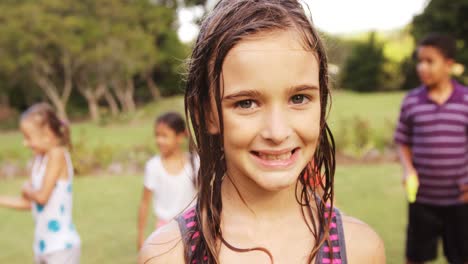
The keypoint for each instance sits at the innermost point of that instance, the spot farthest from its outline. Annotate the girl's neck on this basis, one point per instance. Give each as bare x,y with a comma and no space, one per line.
52,145
177,154
174,163
250,201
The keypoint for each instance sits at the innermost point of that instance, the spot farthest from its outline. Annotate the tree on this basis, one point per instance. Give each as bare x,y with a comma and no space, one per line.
96,49
448,17
116,48
363,71
46,37
161,77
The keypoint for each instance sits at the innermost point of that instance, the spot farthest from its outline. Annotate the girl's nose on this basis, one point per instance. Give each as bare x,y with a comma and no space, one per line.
276,127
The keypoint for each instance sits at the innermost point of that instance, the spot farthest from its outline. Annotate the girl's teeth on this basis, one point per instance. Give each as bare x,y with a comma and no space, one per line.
284,156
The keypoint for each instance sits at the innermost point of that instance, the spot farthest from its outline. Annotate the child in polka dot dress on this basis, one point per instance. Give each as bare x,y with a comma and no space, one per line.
48,194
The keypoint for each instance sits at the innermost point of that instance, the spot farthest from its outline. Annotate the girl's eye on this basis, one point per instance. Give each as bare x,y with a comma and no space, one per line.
299,99
245,104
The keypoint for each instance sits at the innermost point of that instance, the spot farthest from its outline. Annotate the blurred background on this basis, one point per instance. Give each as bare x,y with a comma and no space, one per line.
110,67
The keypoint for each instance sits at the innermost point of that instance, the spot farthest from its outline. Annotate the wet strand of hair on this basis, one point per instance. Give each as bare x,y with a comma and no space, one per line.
245,250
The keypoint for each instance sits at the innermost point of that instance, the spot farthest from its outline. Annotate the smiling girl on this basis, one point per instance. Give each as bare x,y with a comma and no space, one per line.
257,96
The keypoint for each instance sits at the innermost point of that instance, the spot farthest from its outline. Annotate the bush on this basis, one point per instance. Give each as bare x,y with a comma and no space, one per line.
103,157
8,118
364,68
356,137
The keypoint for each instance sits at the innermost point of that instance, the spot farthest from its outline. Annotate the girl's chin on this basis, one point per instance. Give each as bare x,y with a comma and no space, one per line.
273,182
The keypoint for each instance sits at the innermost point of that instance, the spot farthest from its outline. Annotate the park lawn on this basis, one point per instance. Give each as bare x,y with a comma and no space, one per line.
106,213
377,108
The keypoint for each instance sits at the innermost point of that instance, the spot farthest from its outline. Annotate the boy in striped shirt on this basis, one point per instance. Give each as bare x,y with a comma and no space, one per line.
432,139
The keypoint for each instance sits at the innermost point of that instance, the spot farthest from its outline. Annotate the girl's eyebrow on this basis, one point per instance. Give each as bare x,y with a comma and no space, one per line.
241,94
303,87
256,94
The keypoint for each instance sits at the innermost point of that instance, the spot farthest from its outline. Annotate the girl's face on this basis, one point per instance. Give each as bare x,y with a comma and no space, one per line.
432,65
167,140
35,137
271,109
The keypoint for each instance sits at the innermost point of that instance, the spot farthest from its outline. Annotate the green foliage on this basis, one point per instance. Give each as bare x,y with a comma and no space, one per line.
408,71
441,16
445,17
90,44
364,69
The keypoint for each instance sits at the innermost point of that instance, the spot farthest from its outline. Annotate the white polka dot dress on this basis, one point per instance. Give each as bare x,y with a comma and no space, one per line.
54,230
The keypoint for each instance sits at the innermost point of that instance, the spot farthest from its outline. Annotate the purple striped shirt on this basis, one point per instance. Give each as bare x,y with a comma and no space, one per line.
438,138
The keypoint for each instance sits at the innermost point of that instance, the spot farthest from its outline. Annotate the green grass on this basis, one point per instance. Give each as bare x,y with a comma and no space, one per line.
105,213
375,107
361,122
374,194
106,210
379,109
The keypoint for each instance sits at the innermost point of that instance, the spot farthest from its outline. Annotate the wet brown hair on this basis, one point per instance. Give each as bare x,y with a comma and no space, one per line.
44,114
229,23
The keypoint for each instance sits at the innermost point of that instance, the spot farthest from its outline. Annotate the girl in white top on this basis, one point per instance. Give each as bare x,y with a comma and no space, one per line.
169,177
48,194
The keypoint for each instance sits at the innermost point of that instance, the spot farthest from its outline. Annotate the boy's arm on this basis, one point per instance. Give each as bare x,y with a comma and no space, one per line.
143,215
54,167
19,203
464,192
406,160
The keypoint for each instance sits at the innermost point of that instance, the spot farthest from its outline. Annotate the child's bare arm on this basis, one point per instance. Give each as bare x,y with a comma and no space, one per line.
19,203
165,245
406,160
143,216
464,191
56,163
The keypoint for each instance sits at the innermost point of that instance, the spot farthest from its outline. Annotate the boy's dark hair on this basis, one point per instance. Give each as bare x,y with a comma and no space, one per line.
174,120
444,43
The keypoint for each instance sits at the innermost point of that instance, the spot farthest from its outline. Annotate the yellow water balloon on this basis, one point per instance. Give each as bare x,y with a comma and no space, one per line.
412,185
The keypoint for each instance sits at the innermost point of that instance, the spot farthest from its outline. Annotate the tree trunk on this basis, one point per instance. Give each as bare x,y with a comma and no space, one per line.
129,91
153,87
124,91
120,95
4,101
42,73
52,93
93,109
67,78
109,97
92,96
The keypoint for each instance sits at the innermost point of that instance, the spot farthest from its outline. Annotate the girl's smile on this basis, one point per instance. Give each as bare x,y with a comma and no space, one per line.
276,159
